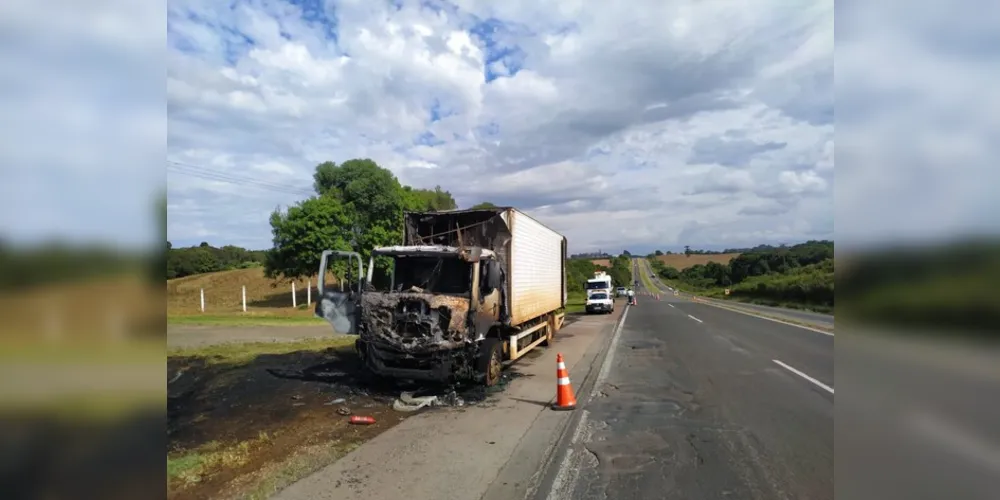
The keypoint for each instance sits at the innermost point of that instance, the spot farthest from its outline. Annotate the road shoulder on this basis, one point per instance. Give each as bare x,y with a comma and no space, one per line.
458,453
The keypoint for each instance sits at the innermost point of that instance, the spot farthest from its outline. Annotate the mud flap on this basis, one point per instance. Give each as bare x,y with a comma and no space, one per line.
340,307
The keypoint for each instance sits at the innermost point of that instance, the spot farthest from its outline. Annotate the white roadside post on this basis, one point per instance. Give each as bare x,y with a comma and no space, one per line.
309,293
202,300
293,295
244,298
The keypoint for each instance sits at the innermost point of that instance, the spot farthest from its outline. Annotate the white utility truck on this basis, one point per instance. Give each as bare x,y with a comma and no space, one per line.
601,282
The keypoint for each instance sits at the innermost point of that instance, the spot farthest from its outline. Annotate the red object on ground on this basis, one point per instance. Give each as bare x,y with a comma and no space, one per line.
357,419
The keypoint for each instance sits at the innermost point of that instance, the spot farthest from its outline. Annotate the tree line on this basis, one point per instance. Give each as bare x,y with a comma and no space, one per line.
694,251
578,271
800,274
205,258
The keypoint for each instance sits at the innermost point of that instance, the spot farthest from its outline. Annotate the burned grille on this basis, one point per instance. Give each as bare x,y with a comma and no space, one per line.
415,319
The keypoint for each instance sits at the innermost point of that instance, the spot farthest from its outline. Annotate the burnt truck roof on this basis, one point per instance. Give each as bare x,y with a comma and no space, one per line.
426,250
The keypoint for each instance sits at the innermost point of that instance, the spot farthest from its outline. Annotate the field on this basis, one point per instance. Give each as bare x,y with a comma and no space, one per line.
268,300
602,262
681,261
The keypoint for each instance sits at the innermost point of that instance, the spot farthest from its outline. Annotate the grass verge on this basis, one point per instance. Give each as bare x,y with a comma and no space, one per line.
191,467
647,282
242,320
575,303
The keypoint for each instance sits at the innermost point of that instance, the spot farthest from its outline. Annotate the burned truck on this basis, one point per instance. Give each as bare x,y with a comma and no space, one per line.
467,291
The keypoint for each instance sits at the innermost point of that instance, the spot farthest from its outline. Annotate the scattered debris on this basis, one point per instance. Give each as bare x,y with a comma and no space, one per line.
177,376
334,402
296,396
298,404
452,399
360,420
408,403
343,410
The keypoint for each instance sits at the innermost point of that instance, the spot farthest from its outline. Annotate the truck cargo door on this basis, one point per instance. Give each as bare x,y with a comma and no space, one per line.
339,303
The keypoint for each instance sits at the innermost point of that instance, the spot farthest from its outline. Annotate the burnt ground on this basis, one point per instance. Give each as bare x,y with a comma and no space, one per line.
249,429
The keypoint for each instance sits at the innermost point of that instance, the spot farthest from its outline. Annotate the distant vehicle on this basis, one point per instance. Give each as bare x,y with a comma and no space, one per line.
621,291
600,302
601,282
636,282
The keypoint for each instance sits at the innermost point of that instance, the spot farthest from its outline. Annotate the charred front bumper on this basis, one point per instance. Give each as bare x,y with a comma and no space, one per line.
439,366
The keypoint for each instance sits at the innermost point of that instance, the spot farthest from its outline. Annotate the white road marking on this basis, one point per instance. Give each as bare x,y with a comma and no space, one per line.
733,309
606,366
803,375
671,305
562,485
956,439
696,319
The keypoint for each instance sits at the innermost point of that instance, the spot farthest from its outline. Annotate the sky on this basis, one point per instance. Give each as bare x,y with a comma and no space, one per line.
635,125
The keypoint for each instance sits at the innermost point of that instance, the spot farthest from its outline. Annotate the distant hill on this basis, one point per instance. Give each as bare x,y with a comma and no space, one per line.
681,261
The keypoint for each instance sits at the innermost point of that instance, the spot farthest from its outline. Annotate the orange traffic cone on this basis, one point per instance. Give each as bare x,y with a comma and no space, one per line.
565,400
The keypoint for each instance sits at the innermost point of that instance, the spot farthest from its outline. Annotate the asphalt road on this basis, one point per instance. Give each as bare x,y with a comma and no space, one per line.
820,319
693,405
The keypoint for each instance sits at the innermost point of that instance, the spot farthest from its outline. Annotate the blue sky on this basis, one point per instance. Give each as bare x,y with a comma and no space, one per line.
641,125
646,125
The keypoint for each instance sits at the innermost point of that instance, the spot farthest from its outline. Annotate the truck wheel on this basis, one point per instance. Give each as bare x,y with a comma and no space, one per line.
549,333
490,362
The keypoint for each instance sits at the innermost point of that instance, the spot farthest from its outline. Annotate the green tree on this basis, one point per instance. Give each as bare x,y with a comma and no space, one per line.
428,200
481,205
658,253
687,251
302,233
373,199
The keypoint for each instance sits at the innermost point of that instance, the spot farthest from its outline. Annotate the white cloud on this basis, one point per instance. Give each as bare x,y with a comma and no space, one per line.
645,124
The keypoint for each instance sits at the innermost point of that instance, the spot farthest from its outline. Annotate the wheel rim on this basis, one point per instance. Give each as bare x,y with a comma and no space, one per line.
495,366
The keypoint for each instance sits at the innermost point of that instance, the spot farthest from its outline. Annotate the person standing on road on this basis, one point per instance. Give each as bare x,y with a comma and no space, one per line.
631,296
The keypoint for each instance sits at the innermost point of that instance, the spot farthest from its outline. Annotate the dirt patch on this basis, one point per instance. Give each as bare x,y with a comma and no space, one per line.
252,426
227,422
681,261
601,262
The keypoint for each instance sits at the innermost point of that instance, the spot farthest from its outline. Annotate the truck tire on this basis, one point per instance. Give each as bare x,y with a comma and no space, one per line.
549,330
490,362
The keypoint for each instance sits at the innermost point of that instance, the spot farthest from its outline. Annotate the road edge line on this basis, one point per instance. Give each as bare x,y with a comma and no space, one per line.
755,315
560,450
803,375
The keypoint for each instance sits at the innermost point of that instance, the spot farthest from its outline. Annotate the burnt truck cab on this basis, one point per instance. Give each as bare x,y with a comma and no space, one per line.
466,291
429,321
